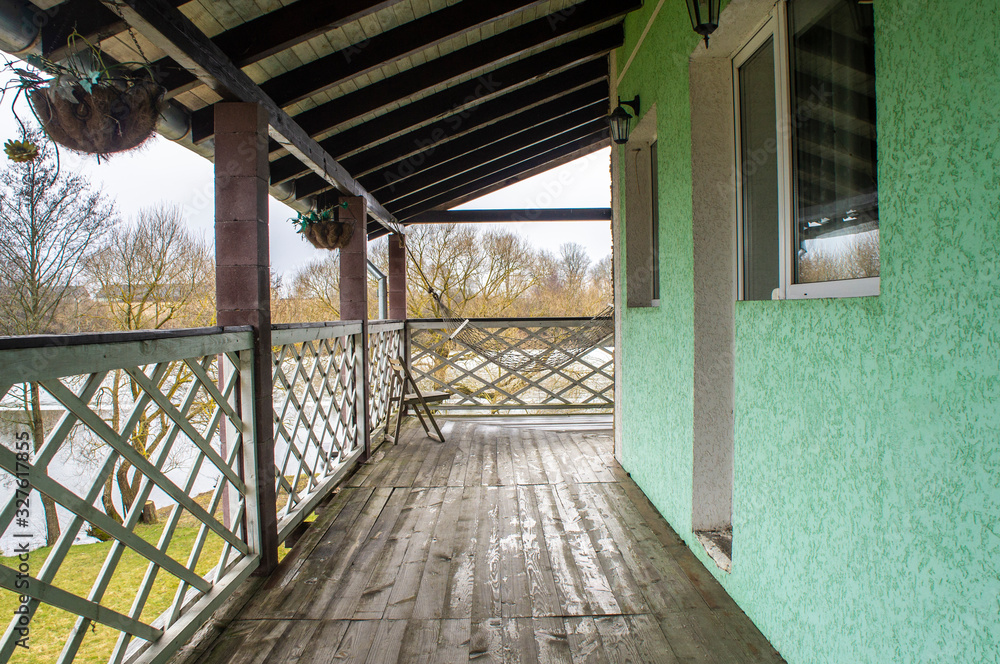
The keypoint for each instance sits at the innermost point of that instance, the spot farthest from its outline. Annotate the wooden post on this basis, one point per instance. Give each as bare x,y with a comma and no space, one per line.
354,297
243,291
397,277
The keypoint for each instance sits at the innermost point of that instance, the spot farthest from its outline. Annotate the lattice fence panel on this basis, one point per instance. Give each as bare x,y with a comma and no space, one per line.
384,342
124,423
479,385
317,415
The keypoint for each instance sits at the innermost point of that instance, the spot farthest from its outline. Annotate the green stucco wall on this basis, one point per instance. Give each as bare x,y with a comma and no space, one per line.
867,474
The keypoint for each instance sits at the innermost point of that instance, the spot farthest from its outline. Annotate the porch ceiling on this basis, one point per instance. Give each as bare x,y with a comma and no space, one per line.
416,104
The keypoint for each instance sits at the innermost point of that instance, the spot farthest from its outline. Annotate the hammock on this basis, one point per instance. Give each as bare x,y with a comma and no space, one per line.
550,349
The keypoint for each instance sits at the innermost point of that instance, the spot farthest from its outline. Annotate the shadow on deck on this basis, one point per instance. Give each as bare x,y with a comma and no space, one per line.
512,542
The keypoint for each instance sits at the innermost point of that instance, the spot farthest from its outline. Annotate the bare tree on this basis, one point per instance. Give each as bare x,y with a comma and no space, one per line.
49,224
152,274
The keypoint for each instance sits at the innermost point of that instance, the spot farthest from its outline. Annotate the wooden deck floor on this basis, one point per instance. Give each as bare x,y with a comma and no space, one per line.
506,544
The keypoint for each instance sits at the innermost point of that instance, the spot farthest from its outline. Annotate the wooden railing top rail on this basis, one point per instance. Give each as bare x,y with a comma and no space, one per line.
40,363
61,340
556,321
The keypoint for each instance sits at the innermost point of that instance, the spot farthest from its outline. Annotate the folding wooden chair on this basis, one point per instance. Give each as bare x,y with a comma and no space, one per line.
403,382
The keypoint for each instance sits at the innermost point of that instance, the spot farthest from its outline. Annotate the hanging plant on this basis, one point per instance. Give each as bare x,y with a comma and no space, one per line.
324,229
100,110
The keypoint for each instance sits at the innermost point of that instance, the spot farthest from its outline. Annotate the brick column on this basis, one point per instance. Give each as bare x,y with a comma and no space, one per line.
354,295
397,277
242,281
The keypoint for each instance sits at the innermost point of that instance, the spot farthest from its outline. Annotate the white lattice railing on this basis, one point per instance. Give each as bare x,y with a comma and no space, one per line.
318,407
385,341
150,416
478,385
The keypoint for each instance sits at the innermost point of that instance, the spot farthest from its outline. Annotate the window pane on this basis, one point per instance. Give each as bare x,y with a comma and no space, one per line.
759,174
833,111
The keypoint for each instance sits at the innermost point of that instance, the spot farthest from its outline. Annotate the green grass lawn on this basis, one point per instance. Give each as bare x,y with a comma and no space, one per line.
50,627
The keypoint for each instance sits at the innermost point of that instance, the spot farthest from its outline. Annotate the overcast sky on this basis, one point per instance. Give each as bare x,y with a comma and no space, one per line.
164,172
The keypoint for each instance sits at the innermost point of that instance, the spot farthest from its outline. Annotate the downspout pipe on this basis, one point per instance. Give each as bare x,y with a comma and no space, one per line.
20,27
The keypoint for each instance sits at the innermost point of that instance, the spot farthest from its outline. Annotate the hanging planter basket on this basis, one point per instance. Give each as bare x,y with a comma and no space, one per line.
104,117
325,229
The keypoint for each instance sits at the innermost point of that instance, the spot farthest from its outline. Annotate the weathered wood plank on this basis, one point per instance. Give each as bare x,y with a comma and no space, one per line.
431,595
515,599
486,598
541,584
461,570
352,584
585,642
404,591
375,597
569,585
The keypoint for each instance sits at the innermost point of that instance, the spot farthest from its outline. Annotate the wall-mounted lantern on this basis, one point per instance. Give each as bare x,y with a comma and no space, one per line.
620,120
704,16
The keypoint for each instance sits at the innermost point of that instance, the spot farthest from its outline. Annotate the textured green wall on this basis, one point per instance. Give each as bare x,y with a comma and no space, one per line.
657,343
867,478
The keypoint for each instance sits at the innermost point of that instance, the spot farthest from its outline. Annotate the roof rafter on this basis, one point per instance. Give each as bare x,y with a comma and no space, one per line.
539,163
393,186
510,215
527,171
496,111
492,52
174,33
390,46
511,160
274,32
461,100
535,118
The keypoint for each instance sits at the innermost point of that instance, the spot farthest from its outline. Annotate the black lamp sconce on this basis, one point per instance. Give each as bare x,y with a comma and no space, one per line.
620,119
704,16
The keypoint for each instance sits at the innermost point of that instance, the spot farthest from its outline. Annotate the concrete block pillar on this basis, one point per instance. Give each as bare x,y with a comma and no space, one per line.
242,282
354,298
354,263
397,277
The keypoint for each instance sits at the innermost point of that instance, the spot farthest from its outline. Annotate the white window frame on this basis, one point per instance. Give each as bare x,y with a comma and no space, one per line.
776,27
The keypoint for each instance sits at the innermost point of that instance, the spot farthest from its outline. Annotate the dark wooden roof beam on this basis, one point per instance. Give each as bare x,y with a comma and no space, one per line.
452,67
176,35
478,160
496,110
530,171
480,187
393,185
510,160
389,46
460,99
533,119
506,216
458,64
274,32
90,18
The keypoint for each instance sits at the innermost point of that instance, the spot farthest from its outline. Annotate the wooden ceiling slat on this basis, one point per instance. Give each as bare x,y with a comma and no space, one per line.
457,99
510,158
487,145
510,215
388,47
88,17
175,33
454,125
457,64
451,67
272,33
439,144
503,178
